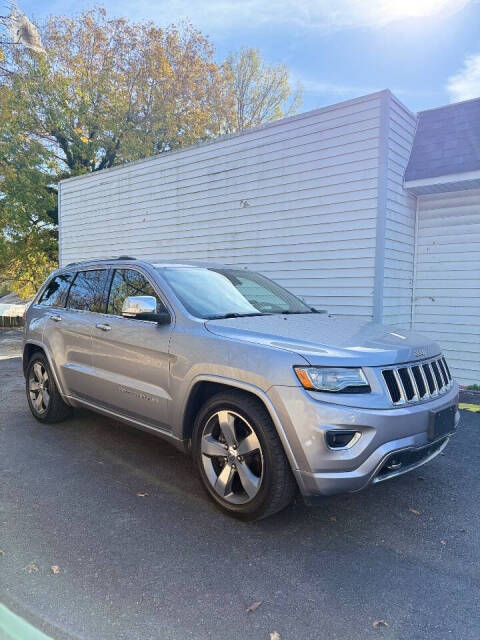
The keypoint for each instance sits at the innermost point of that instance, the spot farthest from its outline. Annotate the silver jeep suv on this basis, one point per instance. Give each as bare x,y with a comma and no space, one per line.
268,394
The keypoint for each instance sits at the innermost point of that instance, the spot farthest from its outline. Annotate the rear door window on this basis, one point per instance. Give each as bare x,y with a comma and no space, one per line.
87,292
129,282
55,295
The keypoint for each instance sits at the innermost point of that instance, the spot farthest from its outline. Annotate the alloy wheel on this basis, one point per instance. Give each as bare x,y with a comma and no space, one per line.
232,457
39,388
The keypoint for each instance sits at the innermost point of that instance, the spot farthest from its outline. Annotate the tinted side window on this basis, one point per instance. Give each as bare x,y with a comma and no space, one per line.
87,291
128,282
56,292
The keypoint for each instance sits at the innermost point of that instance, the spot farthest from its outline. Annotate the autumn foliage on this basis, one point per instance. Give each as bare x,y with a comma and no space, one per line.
109,91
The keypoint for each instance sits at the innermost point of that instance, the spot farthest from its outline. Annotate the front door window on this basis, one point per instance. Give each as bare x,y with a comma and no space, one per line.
129,282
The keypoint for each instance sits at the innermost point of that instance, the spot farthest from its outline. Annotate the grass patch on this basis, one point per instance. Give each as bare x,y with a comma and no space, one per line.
469,407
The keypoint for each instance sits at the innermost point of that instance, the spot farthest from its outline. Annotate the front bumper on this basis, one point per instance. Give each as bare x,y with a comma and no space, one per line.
320,470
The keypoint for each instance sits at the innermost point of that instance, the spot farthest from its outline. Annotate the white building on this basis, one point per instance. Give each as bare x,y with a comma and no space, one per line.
363,208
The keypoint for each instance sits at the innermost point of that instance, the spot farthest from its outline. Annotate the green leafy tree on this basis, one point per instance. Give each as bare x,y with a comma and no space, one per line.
28,207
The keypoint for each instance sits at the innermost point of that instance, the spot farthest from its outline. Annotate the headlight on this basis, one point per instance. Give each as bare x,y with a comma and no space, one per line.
333,379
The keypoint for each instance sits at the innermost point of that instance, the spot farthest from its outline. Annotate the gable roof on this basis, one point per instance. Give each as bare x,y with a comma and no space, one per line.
447,141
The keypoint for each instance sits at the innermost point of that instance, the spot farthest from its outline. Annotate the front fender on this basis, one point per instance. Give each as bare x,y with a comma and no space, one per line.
250,388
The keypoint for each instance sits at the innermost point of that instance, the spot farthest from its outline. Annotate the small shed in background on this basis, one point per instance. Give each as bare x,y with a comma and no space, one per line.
12,309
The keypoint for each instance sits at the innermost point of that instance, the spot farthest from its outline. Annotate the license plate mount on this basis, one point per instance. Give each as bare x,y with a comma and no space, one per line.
441,422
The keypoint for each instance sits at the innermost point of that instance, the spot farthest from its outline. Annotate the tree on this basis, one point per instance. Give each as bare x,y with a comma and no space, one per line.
262,92
27,199
86,93
28,206
110,91
106,91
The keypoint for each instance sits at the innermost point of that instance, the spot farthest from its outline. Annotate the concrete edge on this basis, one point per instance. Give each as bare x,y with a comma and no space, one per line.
13,627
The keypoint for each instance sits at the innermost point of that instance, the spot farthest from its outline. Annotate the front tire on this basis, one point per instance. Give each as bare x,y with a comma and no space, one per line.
44,399
240,458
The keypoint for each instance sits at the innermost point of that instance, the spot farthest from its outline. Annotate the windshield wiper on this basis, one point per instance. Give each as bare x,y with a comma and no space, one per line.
287,312
239,315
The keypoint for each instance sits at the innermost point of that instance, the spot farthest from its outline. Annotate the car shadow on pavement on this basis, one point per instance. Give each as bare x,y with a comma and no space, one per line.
152,465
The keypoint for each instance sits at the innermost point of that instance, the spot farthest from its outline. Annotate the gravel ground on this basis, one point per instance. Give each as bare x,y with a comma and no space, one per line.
142,554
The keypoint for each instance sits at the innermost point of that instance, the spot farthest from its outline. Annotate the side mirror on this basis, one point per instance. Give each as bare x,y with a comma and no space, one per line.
144,308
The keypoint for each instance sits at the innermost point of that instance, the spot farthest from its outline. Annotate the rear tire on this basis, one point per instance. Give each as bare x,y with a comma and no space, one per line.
44,399
240,458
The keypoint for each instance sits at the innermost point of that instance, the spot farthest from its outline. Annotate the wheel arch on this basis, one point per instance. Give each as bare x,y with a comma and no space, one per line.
28,350
32,347
204,387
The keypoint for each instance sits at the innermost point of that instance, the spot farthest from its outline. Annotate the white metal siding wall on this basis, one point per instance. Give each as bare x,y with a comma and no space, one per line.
447,281
296,199
400,219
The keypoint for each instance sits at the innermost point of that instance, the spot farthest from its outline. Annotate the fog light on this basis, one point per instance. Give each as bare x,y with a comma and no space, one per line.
340,439
394,464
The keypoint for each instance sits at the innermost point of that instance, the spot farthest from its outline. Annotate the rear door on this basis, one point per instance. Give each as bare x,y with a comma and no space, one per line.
68,331
131,357
45,321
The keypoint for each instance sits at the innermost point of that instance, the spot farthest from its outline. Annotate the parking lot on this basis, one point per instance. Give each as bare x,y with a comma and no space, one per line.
140,552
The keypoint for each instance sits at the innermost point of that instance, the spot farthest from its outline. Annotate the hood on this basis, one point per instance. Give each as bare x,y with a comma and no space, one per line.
323,340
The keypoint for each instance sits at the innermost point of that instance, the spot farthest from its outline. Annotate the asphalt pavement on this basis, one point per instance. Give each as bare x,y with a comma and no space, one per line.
140,553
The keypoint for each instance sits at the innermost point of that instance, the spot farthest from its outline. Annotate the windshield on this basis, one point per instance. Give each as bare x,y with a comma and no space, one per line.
220,293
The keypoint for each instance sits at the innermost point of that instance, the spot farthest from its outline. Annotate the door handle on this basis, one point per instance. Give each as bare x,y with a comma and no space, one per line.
56,318
103,327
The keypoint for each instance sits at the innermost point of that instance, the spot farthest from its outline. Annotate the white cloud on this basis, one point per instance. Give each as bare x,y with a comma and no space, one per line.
466,83
324,15
333,89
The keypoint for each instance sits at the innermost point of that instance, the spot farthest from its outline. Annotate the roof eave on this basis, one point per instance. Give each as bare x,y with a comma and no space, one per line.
440,184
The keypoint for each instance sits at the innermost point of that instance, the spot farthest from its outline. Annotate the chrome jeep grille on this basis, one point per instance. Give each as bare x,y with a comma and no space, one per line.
415,382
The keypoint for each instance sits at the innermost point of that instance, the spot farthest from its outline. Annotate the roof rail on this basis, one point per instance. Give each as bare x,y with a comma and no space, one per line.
72,264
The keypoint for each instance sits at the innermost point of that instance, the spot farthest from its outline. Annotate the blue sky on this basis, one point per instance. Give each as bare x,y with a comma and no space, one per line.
426,51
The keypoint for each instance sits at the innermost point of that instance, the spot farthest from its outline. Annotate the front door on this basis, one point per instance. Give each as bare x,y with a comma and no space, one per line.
131,357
